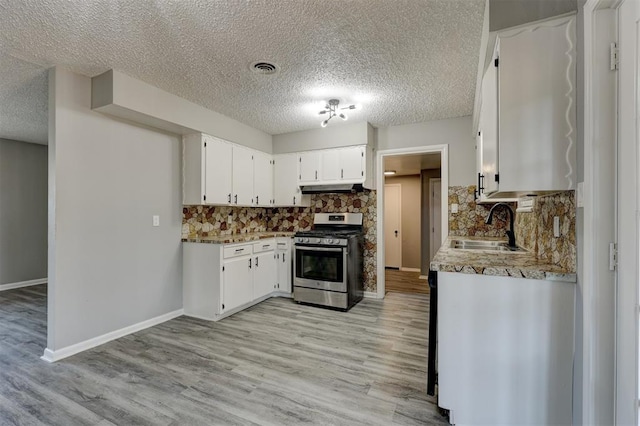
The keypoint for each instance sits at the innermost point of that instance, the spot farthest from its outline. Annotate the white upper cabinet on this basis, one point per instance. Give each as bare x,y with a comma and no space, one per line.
242,176
285,181
336,166
330,165
263,179
309,167
207,170
536,108
488,137
352,164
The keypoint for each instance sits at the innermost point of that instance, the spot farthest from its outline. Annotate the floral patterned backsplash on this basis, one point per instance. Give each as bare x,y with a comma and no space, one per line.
202,221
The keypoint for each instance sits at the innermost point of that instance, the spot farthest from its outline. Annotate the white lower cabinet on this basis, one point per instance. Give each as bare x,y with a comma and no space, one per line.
264,274
237,283
221,279
284,265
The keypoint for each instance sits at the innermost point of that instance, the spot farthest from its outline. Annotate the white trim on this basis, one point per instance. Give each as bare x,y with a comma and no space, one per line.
11,286
53,356
433,183
371,295
399,187
410,269
443,150
592,350
423,277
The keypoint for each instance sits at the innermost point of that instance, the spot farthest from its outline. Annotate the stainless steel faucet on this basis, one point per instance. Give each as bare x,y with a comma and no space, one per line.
510,233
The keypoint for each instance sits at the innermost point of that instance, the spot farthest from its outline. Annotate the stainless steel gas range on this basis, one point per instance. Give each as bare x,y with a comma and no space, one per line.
328,261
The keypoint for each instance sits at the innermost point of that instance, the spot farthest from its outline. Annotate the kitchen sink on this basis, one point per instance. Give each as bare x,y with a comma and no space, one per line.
484,245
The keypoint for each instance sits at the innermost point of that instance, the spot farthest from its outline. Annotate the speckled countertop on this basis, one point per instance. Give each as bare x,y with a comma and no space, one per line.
507,264
237,238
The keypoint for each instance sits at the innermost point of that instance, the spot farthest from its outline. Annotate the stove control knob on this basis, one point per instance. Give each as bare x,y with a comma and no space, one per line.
337,242
317,240
329,241
306,240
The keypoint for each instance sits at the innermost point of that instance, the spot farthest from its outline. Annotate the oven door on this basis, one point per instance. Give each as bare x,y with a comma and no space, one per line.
322,268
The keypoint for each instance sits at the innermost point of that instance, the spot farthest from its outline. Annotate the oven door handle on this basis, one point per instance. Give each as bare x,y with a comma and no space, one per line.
307,248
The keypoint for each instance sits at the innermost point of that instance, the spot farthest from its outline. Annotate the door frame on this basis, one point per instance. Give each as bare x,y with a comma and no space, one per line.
599,366
432,182
443,150
399,186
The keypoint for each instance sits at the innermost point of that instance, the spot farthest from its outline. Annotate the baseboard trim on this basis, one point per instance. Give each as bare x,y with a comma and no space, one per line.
410,269
371,294
423,277
57,355
11,286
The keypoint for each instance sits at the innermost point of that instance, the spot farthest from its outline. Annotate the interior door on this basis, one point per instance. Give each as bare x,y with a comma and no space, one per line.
392,222
435,216
627,321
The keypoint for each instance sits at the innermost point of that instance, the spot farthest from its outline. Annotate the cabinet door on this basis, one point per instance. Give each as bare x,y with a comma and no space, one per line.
489,130
262,179
237,282
537,131
264,276
308,167
330,164
352,163
242,176
217,171
284,271
285,179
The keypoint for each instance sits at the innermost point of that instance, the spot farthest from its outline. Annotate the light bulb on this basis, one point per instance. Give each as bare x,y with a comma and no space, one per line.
324,123
344,117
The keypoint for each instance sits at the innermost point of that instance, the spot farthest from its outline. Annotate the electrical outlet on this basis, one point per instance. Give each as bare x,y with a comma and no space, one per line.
556,226
454,208
230,218
156,220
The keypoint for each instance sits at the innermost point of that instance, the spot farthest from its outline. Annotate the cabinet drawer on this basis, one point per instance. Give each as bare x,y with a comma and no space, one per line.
265,245
283,244
235,251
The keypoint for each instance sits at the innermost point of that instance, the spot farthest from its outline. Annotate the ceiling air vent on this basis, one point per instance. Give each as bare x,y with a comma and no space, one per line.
264,67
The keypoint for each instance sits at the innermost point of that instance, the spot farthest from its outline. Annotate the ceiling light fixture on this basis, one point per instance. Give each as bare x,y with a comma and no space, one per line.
389,172
332,109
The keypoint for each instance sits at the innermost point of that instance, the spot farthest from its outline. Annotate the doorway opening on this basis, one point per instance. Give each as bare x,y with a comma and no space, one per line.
411,217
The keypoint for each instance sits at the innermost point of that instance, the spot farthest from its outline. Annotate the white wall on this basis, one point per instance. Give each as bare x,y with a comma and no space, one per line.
23,211
108,267
360,133
456,132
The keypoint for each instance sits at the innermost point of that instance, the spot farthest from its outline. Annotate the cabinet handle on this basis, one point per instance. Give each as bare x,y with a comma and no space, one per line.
294,200
341,173
256,262
257,199
249,263
282,257
316,175
229,198
239,250
236,199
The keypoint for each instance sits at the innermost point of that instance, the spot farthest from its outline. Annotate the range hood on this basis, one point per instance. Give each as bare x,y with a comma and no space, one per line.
332,189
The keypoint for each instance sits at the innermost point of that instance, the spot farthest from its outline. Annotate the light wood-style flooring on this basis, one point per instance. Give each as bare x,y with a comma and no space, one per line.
277,363
405,282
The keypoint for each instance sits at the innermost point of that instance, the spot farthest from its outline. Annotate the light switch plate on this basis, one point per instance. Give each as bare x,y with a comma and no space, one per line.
556,226
454,208
156,220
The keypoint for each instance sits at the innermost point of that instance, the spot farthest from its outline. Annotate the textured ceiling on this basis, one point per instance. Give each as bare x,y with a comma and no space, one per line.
404,61
23,100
